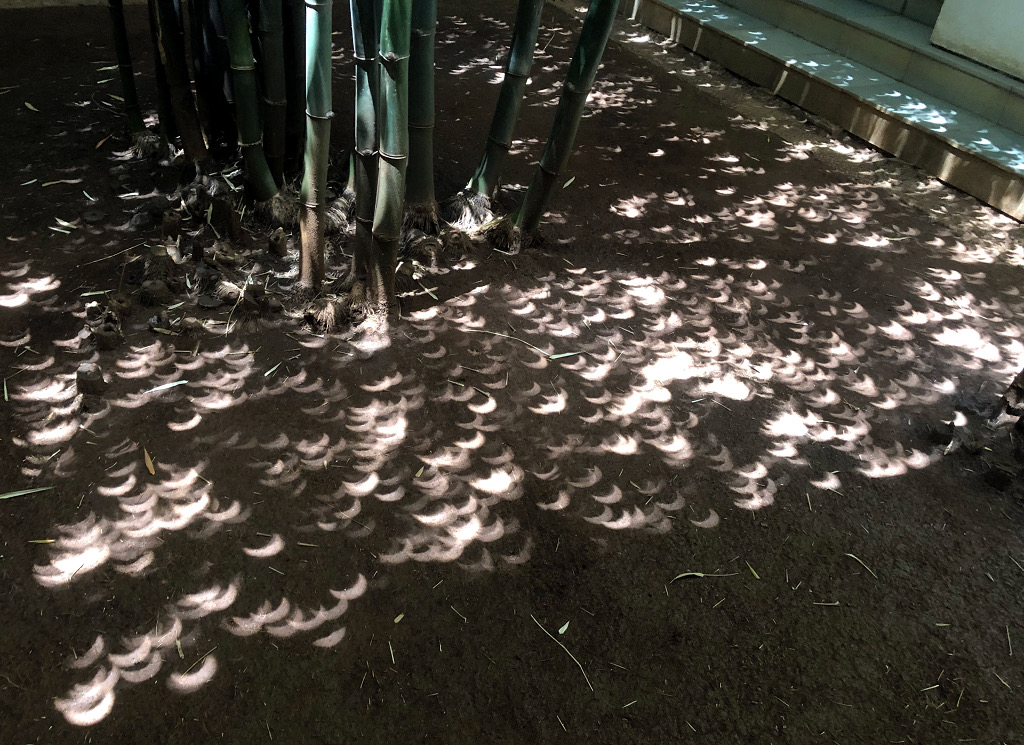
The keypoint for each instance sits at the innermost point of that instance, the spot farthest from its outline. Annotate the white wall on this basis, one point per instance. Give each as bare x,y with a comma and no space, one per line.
987,31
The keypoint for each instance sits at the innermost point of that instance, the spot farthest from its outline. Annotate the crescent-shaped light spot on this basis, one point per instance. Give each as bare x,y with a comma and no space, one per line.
272,548
332,639
559,504
354,591
190,682
711,521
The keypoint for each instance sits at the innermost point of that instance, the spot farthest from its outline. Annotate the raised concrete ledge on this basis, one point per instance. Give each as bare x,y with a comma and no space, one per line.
956,146
899,47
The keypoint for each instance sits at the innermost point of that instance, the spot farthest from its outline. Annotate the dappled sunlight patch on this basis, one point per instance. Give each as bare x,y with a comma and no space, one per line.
596,394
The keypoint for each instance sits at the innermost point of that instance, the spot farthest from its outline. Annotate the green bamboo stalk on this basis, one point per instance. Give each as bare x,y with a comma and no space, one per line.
124,65
393,126
271,35
579,79
165,115
421,204
170,39
247,106
295,82
506,112
318,140
365,39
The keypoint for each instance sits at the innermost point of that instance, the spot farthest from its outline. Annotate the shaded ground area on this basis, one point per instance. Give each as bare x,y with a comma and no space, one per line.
736,358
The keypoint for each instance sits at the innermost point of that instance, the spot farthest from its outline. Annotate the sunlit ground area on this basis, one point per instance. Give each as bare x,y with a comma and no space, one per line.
713,463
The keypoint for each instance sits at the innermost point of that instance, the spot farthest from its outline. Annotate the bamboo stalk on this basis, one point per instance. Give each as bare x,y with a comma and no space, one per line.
393,126
294,17
579,79
170,38
513,85
165,115
271,35
247,107
365,40
421,204
124,66
221,126
318,137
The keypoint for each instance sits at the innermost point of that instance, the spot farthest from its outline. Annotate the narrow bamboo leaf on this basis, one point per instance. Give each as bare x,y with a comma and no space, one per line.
568,182
30,107
149,462
700,575
23,492
165,386
564,628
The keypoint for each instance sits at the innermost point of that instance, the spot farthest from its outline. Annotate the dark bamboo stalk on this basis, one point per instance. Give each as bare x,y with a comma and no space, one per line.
214,88
124,67
170,39
318,139
393,126
421,204
168,129
294,17
365,38
271,34
513,85
247,105
579,80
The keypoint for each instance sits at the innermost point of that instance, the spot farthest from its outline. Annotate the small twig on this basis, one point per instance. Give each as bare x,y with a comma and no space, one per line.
863,565
104,258
507,336
566,651
701,575
198,661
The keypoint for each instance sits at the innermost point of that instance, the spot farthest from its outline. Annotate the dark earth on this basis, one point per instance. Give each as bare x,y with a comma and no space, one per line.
711,464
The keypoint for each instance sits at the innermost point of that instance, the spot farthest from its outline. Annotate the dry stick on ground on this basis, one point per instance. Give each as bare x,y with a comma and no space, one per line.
566,651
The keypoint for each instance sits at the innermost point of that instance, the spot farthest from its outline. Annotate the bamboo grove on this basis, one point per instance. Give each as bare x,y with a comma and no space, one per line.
254,78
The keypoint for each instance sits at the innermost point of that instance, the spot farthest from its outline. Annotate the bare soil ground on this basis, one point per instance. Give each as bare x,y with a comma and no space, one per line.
709,465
